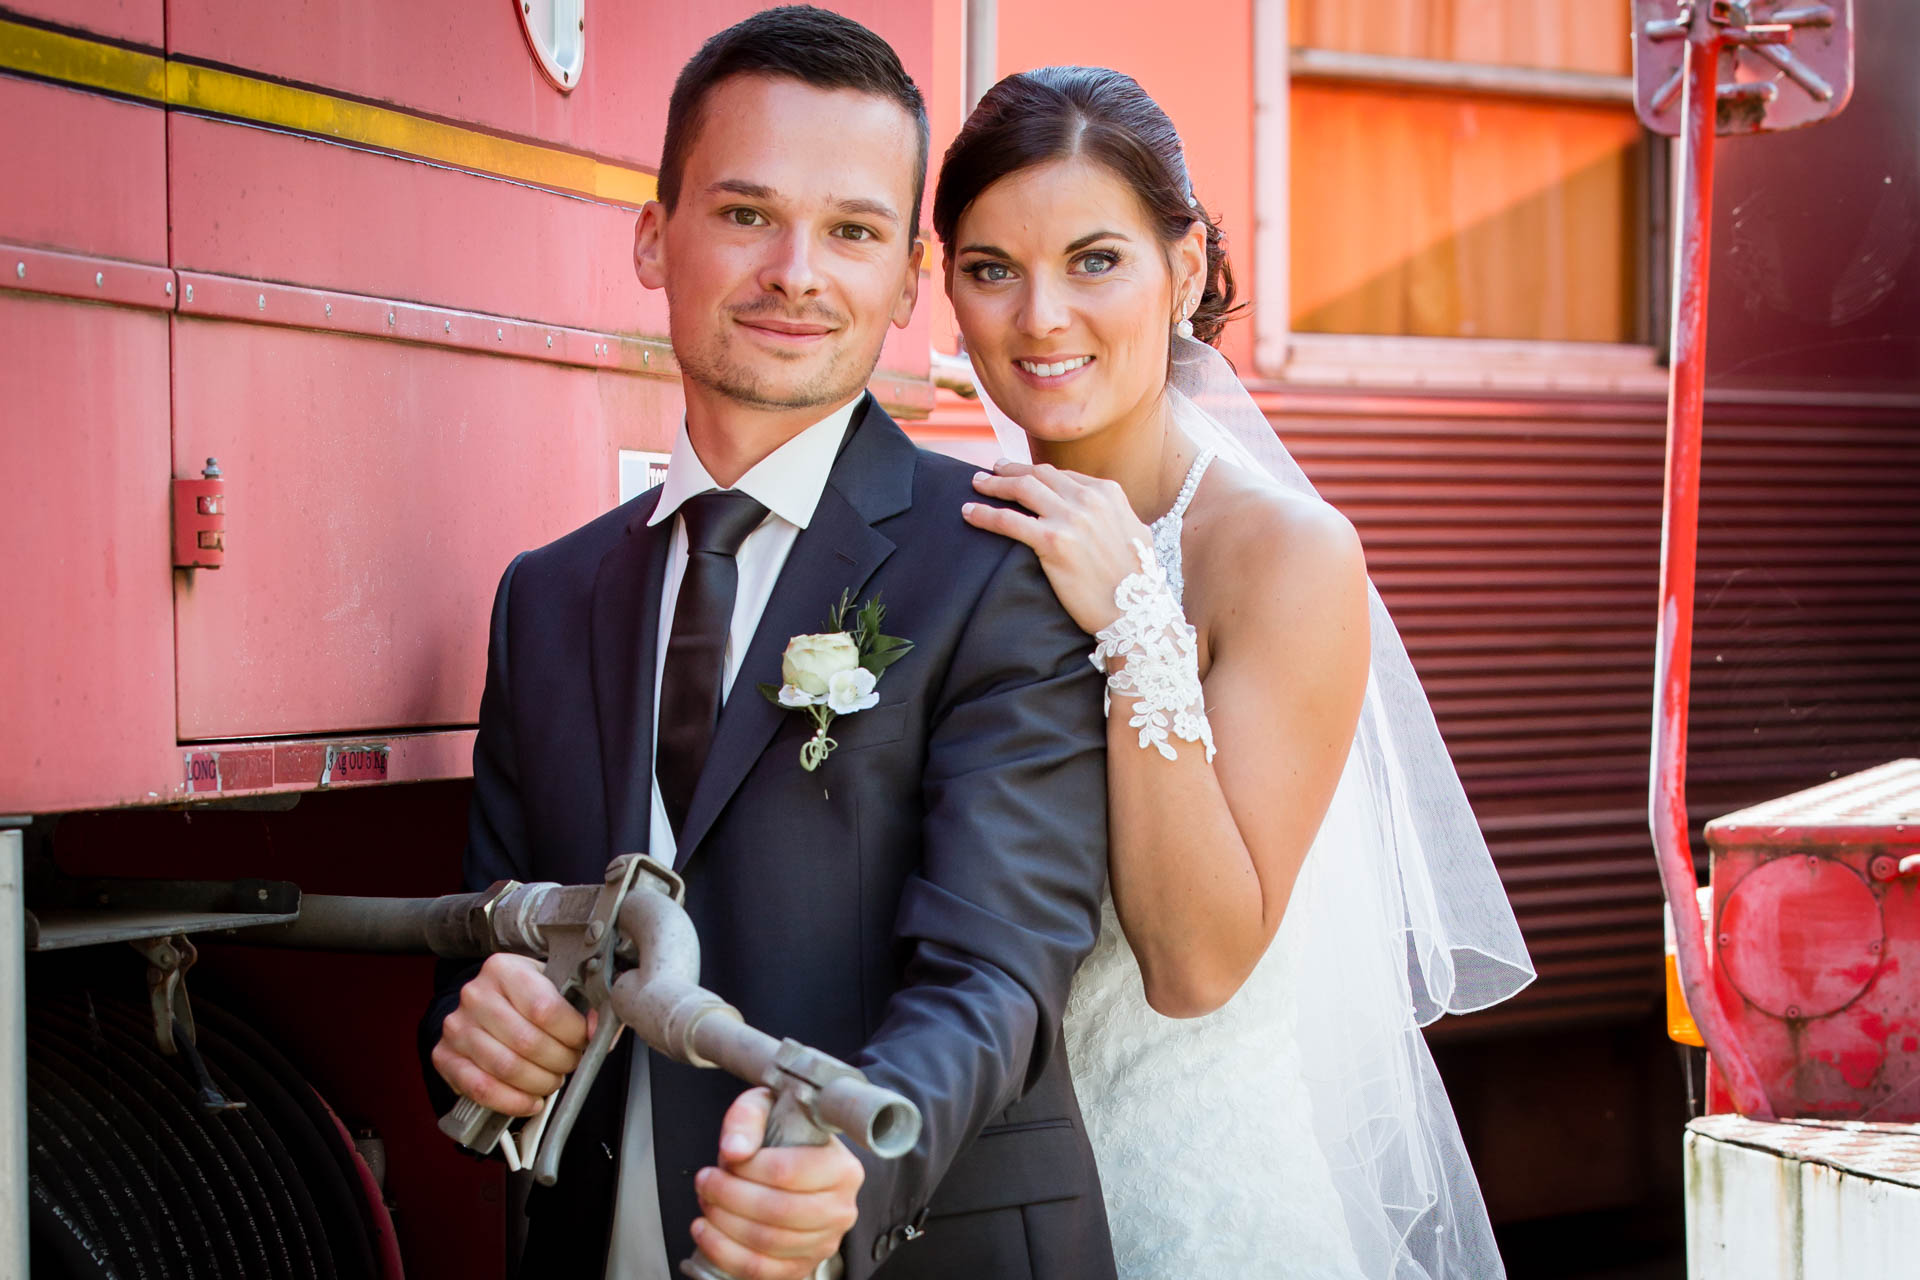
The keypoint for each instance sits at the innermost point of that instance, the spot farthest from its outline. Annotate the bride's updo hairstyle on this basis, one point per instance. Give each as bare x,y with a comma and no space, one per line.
1058,113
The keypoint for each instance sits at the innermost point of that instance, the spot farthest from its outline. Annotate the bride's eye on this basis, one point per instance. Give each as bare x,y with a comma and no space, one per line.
987,271
1098,263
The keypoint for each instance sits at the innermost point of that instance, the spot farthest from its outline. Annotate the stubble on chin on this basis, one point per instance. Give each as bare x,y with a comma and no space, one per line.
757,385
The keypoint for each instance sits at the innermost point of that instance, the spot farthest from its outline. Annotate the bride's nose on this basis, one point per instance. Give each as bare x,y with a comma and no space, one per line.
1043,310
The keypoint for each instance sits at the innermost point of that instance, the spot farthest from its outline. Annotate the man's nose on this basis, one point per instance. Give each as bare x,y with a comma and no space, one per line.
793,266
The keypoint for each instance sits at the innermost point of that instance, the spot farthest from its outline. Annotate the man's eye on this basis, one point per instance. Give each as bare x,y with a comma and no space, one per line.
745,217
854,231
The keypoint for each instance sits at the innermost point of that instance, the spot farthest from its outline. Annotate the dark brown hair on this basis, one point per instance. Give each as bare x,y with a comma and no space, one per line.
813,46
1055,113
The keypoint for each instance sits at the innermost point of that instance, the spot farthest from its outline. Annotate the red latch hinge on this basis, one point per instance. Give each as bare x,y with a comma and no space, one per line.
200,520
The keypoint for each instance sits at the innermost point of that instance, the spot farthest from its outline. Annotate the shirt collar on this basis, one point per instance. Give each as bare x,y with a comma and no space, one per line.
788,482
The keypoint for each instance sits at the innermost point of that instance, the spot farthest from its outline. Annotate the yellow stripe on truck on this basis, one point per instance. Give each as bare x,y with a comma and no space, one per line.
92,64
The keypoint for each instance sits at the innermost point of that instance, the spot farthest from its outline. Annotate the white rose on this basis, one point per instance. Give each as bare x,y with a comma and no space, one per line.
811,661
850,691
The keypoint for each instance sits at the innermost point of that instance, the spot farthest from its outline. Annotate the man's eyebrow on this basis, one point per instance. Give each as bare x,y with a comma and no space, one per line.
868,208
757,191
740,187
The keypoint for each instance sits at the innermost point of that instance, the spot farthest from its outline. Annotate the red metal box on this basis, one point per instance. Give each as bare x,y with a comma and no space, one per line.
1816,943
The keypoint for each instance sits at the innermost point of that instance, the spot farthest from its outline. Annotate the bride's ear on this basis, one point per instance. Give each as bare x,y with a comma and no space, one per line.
1190,269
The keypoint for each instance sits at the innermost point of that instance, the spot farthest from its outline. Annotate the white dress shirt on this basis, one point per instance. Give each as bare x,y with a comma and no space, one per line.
788,482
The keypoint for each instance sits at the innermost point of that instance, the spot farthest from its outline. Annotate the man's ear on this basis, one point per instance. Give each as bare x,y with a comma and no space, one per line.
910,294
649,245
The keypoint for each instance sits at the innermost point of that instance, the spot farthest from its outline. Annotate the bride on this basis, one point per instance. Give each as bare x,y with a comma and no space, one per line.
1298,884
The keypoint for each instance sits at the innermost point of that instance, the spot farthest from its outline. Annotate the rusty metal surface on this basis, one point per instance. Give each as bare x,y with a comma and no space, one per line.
1817,943
1782,64
1884,1152
1703,37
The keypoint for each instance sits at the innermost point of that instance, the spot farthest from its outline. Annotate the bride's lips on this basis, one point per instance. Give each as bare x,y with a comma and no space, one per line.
1029,370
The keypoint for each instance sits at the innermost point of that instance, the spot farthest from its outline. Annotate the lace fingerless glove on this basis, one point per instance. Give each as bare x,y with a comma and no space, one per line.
1160,667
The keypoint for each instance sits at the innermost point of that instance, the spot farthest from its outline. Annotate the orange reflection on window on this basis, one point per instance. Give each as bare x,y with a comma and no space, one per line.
1439,216
1564,35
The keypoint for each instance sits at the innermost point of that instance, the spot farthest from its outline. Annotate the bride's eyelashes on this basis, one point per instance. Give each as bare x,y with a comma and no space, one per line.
1097,262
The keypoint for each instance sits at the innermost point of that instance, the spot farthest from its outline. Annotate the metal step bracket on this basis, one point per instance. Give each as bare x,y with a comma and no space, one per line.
1783,64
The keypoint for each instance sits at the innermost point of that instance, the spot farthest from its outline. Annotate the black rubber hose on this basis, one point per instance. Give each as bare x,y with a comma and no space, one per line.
122,1176
449,926
140,1127
175,1129
326,1160
261,1174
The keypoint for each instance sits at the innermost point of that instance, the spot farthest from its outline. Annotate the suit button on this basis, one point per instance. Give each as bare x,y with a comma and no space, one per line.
883,1246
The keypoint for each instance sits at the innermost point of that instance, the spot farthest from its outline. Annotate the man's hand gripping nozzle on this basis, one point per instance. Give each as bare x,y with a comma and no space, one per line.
626,950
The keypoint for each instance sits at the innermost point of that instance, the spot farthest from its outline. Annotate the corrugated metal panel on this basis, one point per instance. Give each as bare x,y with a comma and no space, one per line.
1517,543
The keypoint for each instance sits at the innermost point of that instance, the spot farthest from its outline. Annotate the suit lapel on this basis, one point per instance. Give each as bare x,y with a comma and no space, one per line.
838,551
622,654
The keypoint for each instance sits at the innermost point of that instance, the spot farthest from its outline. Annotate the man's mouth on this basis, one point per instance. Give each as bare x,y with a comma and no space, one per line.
1047,370
787,328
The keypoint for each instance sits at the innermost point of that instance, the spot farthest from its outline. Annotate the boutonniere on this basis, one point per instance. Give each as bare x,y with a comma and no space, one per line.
833,672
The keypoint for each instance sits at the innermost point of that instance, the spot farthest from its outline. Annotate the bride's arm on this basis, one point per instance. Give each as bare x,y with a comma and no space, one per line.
1204,855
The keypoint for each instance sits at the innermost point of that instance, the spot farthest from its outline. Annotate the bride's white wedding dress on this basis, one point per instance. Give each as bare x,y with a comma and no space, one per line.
1301,1132
1289,1133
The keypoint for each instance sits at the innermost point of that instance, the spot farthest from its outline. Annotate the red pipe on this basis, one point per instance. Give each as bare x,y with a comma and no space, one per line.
1680,528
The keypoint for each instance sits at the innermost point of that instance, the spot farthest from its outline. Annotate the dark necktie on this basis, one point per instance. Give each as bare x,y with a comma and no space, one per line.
717,523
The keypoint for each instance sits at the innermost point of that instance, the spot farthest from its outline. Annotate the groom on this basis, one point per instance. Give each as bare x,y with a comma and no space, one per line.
918,904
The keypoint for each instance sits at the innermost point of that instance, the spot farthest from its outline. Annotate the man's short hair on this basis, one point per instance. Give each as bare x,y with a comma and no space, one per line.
814,46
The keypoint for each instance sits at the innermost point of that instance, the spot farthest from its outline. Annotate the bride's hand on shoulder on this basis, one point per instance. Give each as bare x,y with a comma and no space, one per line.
1083,530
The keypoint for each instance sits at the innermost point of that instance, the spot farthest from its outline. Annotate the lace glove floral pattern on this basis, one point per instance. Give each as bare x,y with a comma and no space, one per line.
1160,667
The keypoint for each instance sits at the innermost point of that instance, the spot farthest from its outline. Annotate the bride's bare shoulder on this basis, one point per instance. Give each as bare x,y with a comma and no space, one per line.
1258,554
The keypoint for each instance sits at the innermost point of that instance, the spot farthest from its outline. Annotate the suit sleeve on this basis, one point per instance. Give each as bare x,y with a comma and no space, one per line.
496,828
1006,902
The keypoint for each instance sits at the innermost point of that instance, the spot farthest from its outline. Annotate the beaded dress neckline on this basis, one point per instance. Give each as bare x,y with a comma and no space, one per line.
1166,530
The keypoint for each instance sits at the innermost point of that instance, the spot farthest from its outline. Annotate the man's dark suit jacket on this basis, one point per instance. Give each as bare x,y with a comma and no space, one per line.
918,906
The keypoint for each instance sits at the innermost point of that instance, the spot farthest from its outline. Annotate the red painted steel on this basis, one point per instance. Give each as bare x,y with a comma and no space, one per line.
88,279
1679,526
339,218
99,175
218,297
357,224
377,490
200,520
87,628
468,62
1818,934
139,22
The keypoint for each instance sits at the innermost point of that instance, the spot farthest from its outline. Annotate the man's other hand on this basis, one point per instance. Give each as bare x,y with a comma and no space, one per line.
773,1213
512,1040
